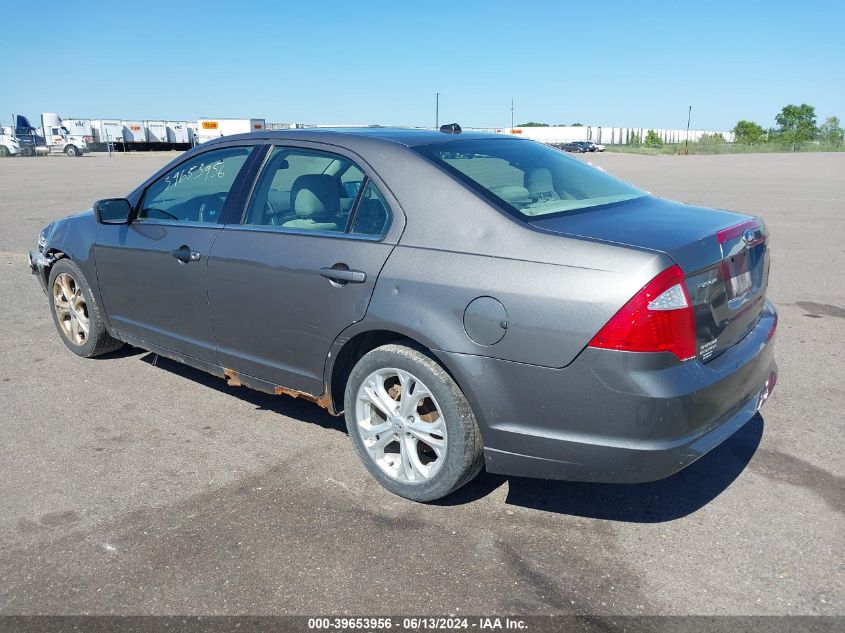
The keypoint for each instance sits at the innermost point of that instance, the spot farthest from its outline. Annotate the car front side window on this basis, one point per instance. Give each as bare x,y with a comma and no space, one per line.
196,190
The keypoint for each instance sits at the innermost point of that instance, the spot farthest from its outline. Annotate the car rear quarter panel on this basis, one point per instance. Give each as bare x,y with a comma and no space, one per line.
552,310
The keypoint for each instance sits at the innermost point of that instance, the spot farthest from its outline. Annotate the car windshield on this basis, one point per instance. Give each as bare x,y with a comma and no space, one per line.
531,179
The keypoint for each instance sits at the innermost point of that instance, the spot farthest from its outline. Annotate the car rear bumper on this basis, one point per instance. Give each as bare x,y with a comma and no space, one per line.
616,417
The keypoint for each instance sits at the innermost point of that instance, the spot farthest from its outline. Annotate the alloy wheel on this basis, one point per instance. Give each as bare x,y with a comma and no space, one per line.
71,309
401,425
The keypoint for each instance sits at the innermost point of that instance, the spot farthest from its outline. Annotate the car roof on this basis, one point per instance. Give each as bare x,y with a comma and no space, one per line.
409,137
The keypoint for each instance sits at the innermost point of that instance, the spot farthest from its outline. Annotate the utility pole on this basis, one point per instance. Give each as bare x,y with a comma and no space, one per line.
511,116
437,112
686,140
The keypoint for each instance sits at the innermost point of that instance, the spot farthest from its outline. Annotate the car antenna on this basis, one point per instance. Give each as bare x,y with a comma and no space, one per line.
450,128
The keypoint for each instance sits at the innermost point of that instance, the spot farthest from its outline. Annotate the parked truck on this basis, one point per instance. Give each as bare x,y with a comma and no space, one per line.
58,139
30,141
9,145
208,129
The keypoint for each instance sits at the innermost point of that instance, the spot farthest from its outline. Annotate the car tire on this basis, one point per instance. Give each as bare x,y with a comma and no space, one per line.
404,457
4,151
71,151
76,313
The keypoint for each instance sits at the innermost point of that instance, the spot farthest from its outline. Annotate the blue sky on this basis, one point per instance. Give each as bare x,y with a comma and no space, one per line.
603,63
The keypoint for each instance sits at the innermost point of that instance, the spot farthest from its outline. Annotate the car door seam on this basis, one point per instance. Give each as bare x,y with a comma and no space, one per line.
208,297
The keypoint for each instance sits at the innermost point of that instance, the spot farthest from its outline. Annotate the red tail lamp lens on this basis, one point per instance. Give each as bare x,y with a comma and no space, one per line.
659,318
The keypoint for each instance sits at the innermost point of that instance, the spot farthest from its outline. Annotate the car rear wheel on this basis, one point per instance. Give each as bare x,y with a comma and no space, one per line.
410,424
76,314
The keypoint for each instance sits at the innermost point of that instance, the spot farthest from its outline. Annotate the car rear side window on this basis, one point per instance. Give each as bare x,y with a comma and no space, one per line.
196,190
371,215
527,178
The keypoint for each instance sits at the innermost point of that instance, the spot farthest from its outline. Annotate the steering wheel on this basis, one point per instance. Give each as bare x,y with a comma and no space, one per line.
205,206
269,212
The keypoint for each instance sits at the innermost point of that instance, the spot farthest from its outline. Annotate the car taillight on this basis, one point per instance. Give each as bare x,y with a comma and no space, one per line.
658,318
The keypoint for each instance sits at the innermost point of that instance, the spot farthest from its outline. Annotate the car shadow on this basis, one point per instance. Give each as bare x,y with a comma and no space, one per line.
296,408
672,498
122,352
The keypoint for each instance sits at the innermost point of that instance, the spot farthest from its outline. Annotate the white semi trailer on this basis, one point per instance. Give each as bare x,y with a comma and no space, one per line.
125,135
208,129
178,132
157,135
156,132
133,132
80,127
107,131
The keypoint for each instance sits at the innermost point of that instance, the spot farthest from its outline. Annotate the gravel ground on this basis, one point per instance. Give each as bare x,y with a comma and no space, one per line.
135,485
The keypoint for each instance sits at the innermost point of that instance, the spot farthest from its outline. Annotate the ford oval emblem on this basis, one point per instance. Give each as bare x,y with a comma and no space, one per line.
749,237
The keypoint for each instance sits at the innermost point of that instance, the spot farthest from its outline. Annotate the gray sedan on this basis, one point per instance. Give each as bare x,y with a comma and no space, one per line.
465,300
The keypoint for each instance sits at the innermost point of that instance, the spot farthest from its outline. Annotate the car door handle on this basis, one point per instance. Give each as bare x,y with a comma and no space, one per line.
185,255
343,275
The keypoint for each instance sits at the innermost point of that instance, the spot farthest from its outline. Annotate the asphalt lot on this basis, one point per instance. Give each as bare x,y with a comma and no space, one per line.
132,484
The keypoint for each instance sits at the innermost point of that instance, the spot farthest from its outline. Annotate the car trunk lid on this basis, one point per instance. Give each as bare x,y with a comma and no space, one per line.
723,255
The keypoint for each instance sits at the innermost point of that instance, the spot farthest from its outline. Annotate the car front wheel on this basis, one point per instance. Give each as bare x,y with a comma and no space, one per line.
410,424
76,314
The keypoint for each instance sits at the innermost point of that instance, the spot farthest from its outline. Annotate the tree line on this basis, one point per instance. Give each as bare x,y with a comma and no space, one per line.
795,124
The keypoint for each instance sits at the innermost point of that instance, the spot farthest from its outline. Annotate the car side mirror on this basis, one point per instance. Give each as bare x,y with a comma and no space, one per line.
112,211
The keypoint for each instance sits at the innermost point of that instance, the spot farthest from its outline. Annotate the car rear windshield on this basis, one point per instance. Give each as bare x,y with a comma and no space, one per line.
531,179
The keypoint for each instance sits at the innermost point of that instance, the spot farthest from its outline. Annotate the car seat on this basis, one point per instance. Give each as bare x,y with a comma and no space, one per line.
315,199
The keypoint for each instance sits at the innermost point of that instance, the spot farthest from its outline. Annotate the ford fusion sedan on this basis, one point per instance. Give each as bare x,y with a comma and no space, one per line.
464,300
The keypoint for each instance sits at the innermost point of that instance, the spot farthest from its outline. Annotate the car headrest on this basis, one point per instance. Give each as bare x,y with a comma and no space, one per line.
315,196
539,181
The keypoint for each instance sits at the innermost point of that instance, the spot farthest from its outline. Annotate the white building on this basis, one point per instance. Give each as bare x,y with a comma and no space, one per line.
606,135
